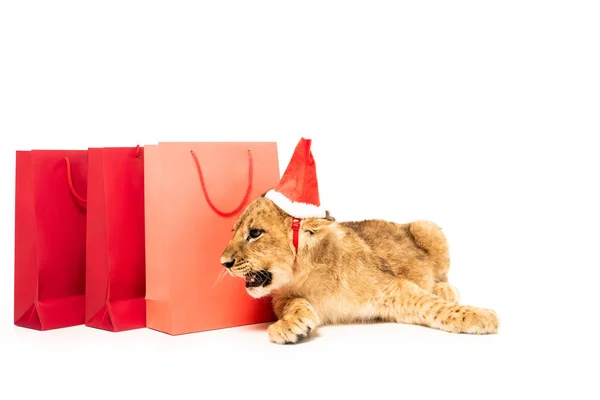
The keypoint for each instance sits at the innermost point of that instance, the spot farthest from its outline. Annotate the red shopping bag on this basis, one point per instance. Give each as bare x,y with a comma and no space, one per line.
50,232
115,280
194,194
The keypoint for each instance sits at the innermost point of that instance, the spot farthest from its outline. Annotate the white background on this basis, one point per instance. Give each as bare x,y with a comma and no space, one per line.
480,116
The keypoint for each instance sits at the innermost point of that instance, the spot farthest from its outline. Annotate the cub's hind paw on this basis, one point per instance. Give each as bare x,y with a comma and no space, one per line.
447,292
290,330
478,321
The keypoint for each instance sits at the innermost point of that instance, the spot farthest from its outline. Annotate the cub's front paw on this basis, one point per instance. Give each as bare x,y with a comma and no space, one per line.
291,330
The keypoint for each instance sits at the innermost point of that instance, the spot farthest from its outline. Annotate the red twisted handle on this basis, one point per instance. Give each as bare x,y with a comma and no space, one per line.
137,152
70,182
210,203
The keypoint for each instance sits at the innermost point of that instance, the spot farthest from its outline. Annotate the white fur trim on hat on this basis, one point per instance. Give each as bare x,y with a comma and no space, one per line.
295,208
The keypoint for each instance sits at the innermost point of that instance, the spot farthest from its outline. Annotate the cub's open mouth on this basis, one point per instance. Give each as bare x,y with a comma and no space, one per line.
258,278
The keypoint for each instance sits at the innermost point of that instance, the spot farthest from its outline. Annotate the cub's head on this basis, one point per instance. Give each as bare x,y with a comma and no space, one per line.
261,249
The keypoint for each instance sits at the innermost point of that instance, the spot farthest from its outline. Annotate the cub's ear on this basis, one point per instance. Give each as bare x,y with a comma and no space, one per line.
313,225
328,216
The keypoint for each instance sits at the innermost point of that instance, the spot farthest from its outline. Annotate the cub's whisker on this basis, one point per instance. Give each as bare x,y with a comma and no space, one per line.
220,277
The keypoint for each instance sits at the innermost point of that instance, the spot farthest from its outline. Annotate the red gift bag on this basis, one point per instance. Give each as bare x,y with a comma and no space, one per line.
50,232
194,194
115,268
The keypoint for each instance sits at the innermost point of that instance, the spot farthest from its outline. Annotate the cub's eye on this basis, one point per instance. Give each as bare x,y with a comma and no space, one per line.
254,233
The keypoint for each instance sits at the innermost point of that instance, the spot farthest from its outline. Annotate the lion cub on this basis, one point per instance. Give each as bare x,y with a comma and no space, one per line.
348,272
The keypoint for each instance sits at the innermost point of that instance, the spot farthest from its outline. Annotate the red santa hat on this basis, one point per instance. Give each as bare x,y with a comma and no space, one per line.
298,190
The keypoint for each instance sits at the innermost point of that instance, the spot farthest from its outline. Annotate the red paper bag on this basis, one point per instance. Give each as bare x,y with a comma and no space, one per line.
194,194
115,276
50,231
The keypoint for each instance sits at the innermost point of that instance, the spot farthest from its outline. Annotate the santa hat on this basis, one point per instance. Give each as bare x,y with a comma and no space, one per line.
298,191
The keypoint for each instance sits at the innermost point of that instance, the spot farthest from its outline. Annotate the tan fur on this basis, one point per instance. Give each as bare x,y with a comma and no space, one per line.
351,272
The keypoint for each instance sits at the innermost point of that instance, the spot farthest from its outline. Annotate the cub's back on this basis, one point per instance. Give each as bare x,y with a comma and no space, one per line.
403,249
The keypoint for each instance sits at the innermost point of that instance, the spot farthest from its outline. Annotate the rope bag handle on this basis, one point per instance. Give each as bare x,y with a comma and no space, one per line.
206,196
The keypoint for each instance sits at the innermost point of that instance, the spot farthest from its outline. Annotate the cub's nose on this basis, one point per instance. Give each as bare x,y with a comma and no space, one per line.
227,263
